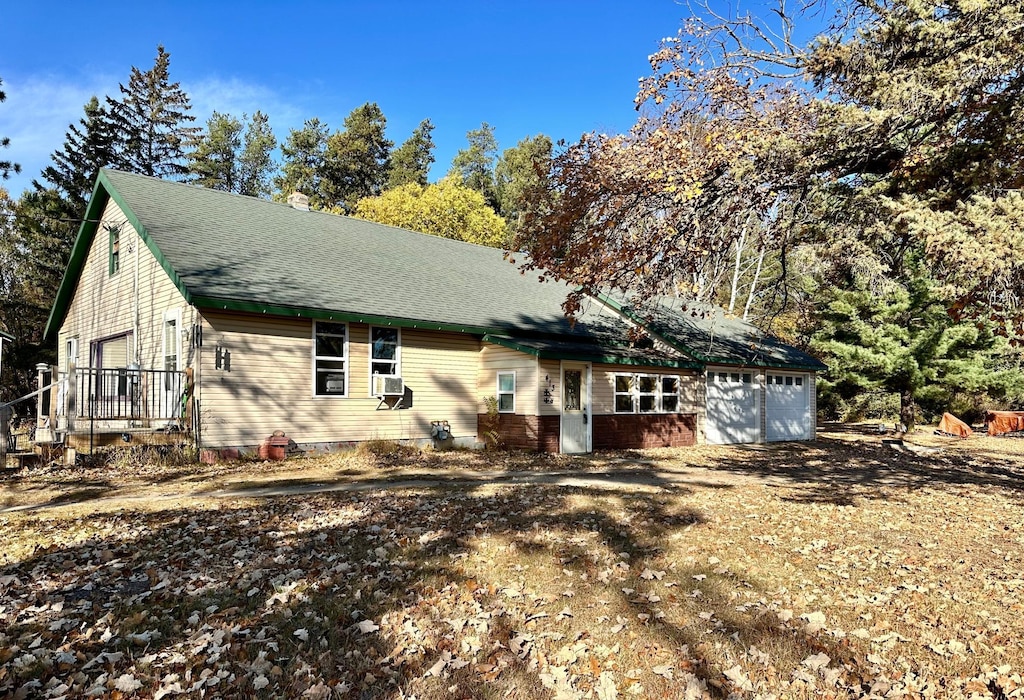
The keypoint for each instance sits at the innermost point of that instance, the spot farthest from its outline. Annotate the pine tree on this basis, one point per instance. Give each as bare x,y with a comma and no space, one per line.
303,162
151,119
357,159
475,164
411,161
255,162
6,166
876,334
213,163
88,146
521,170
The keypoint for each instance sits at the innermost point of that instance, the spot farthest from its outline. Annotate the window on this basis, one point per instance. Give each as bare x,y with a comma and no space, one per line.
624,393
647,393
115,249
647,386
384,351
506,392
330,349
670,394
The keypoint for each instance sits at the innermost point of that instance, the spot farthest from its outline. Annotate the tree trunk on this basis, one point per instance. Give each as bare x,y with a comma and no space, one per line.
907,409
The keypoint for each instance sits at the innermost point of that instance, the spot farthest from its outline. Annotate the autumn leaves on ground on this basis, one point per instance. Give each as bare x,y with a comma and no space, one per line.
840,568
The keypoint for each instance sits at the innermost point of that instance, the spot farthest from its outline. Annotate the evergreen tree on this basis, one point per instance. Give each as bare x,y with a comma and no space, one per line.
411,161
6,166
521,170
357,159
303,162
213,163
151,120
255,162
475,163
876,334
88,146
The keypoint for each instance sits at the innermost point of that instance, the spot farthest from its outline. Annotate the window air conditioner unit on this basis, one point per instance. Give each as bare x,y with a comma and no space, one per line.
388,385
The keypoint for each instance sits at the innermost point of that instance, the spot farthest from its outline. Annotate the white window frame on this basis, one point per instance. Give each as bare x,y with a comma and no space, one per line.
654,395
631,393
499,393
330,358
397,360
635,394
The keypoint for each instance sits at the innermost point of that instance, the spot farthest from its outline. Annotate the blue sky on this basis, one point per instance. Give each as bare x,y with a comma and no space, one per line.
559,67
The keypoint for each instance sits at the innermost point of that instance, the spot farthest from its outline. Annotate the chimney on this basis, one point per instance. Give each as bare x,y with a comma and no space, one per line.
299,201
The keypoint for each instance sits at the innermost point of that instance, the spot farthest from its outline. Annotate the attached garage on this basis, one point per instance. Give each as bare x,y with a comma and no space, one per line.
733,404
788,406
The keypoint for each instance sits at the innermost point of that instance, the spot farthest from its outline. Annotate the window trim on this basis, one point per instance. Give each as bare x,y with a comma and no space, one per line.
631,393
499,393
345,359
635,394
114,251
370,360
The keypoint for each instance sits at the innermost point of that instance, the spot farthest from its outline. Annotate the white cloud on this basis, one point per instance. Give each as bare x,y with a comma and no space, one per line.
36,116
39,109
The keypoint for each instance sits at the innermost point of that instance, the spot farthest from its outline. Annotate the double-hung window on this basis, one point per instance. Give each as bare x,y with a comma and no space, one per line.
506,392
330,354
385,350
646,393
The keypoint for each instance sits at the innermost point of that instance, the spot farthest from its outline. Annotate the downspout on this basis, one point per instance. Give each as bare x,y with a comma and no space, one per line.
137,321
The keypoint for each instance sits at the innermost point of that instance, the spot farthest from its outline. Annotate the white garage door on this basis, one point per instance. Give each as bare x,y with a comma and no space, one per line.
732,408
788,406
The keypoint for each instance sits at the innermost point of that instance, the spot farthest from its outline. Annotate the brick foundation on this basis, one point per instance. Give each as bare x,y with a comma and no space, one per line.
539,433
638,431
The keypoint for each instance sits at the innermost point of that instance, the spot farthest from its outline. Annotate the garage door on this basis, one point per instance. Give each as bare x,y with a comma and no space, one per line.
788,407
732,407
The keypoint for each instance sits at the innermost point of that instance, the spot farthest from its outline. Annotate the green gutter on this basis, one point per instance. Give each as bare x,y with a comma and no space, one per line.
216,304
589,357
7,336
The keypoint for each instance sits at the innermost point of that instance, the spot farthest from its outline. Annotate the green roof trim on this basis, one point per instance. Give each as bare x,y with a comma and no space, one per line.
329,315
613,304
103,191
602,354
6,336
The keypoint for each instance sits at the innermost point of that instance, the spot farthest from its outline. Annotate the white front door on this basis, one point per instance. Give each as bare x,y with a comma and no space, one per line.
787,406
732,407
575,431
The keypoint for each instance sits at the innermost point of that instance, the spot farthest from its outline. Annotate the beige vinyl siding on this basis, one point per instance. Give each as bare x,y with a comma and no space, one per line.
549,375
270,384
691,394
494,359
105,305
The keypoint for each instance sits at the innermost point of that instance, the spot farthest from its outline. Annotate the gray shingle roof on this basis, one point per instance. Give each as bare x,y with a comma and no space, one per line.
709,334
227,247
228,251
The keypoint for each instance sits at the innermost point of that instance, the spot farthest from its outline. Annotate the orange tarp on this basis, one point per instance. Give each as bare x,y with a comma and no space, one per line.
1002,422
951,425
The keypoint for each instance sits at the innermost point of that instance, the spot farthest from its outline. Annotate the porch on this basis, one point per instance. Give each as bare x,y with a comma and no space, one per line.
88,408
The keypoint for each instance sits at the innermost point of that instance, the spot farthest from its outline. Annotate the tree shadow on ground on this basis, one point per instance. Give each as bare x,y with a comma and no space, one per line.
375,594
833,469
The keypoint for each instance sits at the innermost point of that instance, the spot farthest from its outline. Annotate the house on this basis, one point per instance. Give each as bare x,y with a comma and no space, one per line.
229,317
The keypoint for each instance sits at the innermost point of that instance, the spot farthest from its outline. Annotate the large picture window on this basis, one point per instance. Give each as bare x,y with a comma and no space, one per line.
646,393
385,350
330,355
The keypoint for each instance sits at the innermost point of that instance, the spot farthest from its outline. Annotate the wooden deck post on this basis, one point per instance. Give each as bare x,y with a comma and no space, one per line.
189,391
71,397
5,428
41,412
